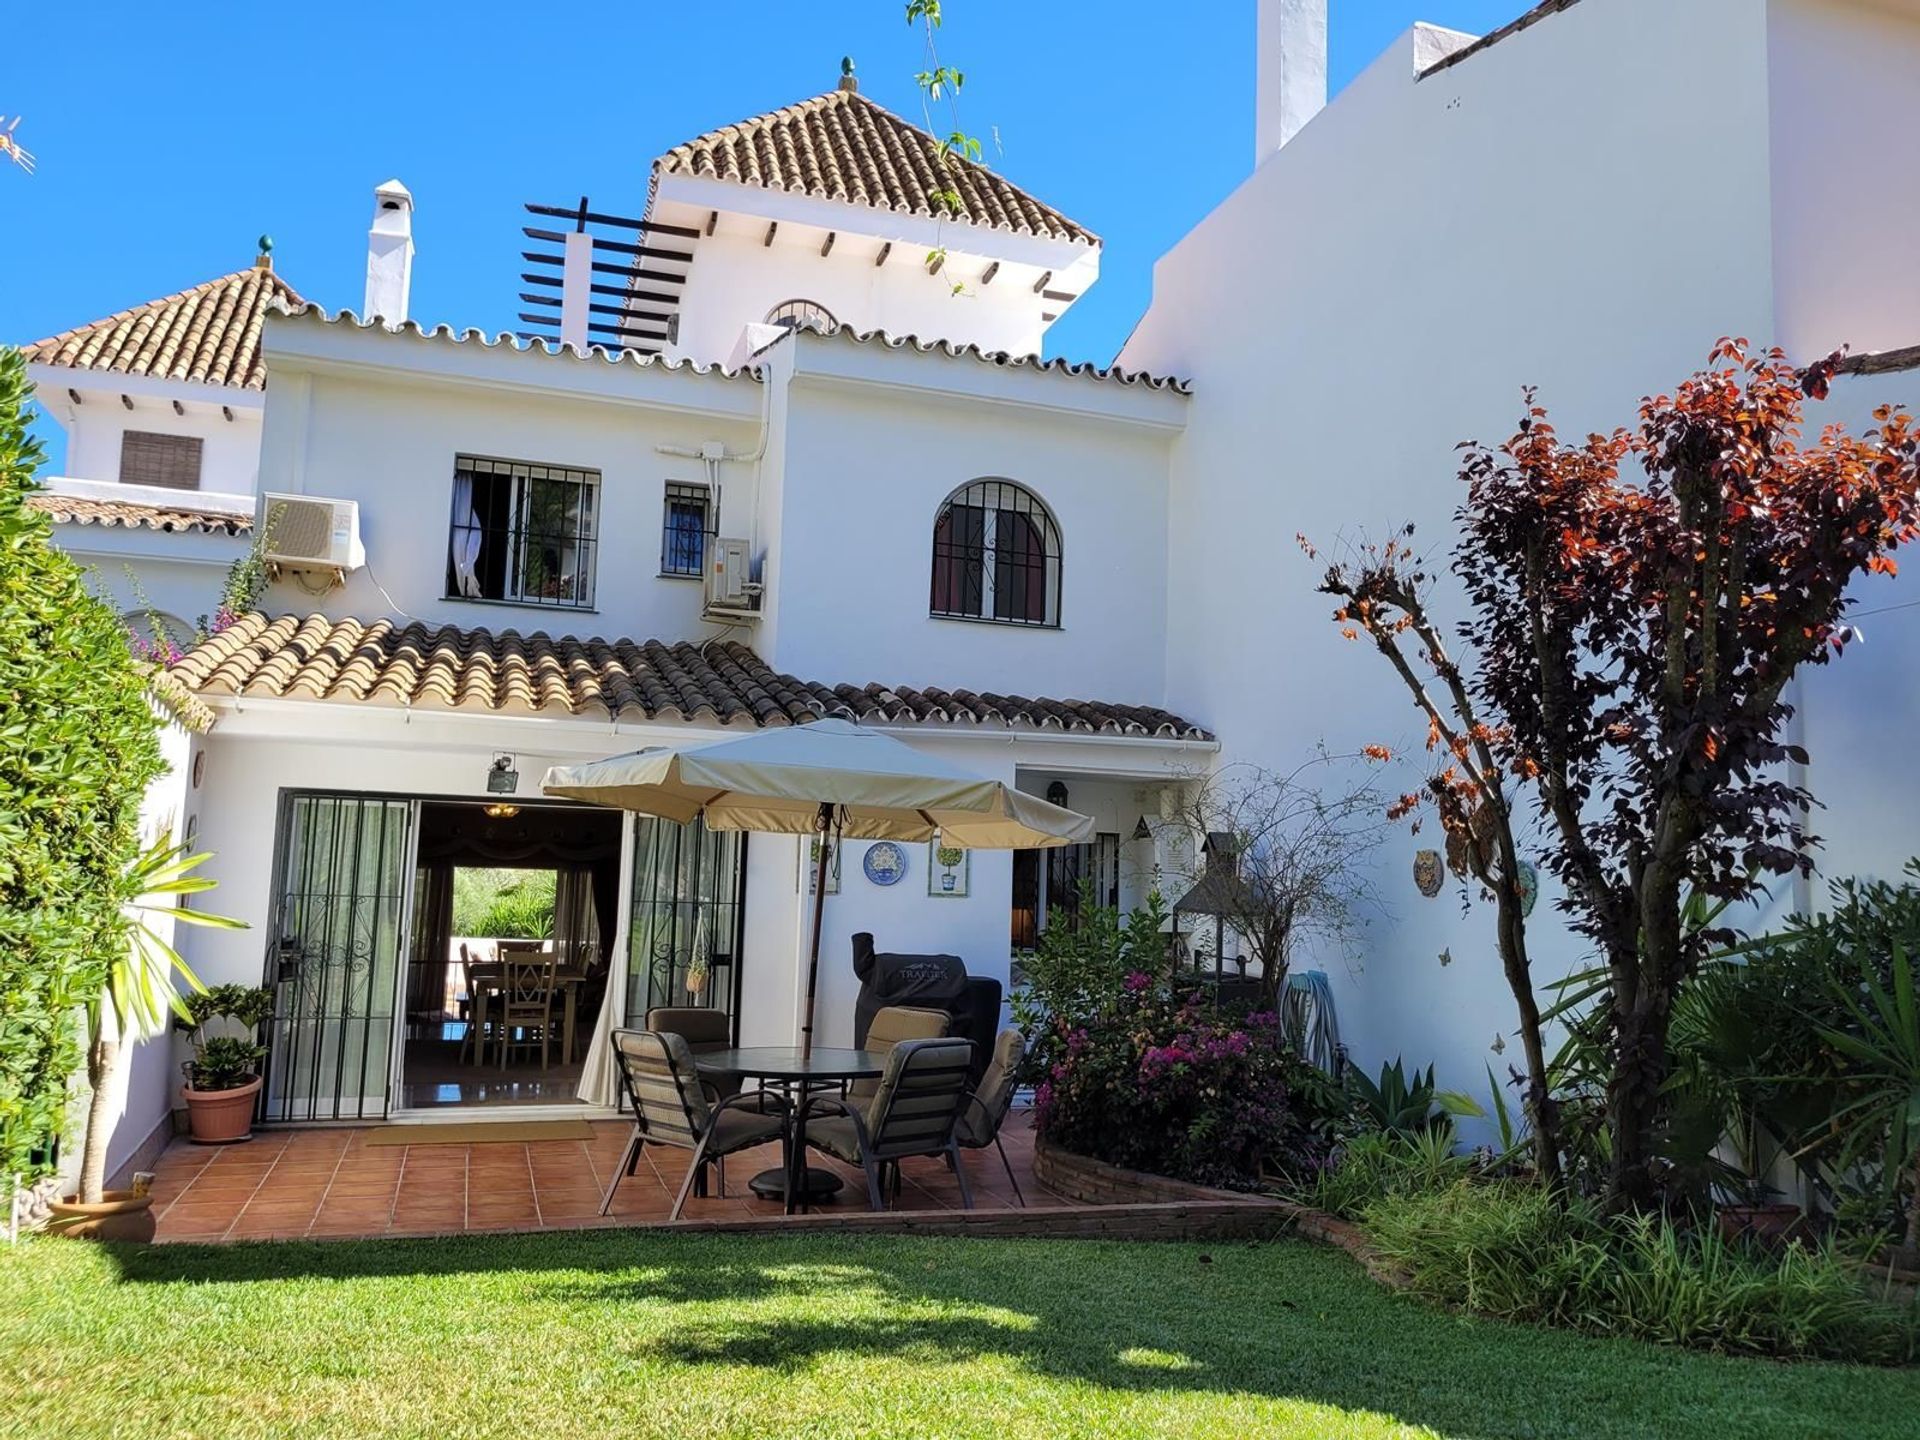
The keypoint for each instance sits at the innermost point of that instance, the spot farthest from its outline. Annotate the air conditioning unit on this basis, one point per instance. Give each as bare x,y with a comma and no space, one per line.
304,532
731,590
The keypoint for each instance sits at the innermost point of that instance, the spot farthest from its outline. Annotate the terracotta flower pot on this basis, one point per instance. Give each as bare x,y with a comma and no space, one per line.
120,1215
220,1117
1769,1224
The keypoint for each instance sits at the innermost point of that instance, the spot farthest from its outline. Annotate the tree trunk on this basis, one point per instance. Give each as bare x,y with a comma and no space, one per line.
1543,1112
1644,979
1913,1213
103,1059
1634,1103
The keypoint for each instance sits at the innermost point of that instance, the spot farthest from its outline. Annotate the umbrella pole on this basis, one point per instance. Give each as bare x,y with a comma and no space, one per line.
823,825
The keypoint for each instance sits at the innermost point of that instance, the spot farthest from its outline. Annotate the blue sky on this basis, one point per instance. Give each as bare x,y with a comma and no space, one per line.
169,136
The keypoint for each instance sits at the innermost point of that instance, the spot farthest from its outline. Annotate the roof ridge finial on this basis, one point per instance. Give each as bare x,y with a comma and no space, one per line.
848,80
264,260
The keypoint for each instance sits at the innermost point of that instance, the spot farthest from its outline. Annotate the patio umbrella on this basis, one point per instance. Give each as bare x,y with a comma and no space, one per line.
832,779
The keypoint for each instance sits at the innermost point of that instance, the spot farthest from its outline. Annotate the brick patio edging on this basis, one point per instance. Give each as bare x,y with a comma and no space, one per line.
1095,1182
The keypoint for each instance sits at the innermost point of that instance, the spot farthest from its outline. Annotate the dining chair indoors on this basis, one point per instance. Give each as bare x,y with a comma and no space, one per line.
526,1005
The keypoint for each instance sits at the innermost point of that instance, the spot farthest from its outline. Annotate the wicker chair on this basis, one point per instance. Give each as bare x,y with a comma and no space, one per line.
670,1107
914,1112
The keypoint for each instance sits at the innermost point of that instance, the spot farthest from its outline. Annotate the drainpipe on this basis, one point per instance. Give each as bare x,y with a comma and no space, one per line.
713,454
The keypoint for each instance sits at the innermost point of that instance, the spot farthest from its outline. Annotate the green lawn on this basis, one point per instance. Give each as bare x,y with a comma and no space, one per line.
626,1334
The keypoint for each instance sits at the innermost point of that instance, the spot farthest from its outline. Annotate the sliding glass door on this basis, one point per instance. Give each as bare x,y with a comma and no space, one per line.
333,959
689,887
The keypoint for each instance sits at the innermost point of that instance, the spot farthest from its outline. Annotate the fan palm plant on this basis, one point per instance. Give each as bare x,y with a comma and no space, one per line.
1884,1114
139,992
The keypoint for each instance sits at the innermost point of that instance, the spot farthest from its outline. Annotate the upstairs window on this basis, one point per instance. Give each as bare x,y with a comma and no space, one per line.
996,556
803,315
523,533
171,461
683,530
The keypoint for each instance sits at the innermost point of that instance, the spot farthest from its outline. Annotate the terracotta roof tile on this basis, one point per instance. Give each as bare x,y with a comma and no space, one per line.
445,667
133,514
842,146
208,335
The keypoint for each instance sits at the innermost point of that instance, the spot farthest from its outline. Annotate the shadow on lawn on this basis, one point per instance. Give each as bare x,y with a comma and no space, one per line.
1131,1319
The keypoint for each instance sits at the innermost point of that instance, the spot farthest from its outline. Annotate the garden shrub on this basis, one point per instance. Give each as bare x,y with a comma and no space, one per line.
1162,1084
504,904
1510,1251
78,746
1381,1164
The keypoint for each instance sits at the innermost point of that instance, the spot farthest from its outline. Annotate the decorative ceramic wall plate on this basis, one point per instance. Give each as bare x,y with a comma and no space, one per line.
1428,873
886,863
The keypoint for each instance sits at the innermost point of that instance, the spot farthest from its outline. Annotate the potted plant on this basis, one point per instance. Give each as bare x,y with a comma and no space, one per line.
223,1077
949,857
132,1004
698,964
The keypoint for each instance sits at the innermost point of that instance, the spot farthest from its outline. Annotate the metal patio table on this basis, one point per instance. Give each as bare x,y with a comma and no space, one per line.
798,1076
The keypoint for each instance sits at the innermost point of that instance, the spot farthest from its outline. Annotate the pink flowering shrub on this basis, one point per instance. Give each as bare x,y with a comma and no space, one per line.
1165,1084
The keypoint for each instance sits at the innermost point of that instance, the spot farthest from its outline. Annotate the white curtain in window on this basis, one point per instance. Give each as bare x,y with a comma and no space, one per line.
466,537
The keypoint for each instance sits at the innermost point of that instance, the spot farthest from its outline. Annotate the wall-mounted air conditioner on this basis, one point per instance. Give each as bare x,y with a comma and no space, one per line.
305,532
731,589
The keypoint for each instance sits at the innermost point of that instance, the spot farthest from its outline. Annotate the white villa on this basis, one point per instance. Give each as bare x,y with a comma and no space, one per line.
774,470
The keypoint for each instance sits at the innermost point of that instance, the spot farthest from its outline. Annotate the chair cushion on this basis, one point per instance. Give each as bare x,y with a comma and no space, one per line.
889,1028
980,1121
835,1135
736,1129
698,1026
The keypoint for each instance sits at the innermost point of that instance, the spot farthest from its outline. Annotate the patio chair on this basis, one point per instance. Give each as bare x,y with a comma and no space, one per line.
987,1107
890,1026
670,1107
526,1005
705,1030
914,1112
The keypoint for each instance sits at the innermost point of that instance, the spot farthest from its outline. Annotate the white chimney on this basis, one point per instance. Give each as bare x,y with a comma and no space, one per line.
1291,47
390,254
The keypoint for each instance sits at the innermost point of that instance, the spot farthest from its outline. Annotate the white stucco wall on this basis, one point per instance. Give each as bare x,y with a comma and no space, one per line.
1858,712
1845,213
389,440
1378,292
736,279
145,1090
178,576
263,748
1010,284
229,452
872,451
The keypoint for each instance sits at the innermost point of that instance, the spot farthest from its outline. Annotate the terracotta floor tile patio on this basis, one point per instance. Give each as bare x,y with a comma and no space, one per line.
285,1184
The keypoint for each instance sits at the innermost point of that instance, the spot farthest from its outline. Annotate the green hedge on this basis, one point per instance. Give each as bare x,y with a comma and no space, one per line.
78,746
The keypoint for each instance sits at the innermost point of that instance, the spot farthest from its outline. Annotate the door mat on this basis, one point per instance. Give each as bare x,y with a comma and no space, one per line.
480,1132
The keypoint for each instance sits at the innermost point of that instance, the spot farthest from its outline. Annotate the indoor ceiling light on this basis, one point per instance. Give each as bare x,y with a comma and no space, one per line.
498,811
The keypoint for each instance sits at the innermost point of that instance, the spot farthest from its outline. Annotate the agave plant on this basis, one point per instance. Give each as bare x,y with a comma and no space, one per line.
1394,1103
139,992
1884,1040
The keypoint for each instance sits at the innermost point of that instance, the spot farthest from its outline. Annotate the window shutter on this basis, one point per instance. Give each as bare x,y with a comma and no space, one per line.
170,461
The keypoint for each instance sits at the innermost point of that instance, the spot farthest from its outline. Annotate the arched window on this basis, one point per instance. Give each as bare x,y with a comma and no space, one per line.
803,315
996,556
